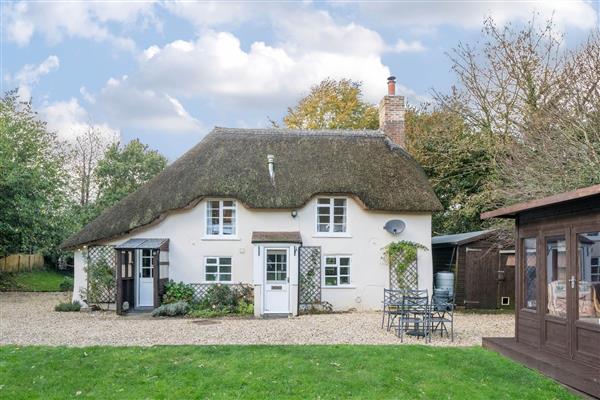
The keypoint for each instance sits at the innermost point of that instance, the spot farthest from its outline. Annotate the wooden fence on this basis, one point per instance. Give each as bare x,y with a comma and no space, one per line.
21,262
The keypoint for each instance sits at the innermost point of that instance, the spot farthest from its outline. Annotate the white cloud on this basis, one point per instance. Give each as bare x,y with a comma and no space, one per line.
579,14
216,65
69,119
403,46
124,104
30,74
88,20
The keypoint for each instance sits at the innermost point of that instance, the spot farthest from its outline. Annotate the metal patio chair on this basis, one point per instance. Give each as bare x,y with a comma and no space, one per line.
414,315
392,300
442,313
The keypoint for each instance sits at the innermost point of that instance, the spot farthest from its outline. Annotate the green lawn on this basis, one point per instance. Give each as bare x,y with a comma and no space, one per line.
258,372
34,281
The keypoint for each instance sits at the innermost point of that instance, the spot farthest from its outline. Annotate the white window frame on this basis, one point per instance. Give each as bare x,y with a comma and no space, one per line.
208,217
595,276
219,272
337,266
331,206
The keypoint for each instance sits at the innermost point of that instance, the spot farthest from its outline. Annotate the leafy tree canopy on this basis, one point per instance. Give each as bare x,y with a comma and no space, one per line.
124,169
333,105
32,183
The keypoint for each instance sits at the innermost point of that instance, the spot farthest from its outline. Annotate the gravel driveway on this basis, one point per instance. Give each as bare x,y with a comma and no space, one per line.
29,318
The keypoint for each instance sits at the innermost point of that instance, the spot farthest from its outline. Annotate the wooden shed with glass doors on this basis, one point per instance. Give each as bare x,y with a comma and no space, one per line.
557,314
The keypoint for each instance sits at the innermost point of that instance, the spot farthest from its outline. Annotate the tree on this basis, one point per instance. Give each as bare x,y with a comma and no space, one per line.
124,169
459,165
333,105
33,184
87,150
538,101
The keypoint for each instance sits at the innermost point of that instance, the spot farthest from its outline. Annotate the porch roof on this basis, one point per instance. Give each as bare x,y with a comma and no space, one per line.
136,243
276,237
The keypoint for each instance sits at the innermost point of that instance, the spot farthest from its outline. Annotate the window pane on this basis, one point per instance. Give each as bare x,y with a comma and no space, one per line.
339,228
330,281
211,260
556,273
225,260
227,203
330,260
323,201
225,277
344,271
211,277
339,202
530,273
588,291
344,261
323,228
211,268
344,280
330,271
271,276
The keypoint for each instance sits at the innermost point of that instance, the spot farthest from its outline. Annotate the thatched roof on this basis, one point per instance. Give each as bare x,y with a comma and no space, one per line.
233,163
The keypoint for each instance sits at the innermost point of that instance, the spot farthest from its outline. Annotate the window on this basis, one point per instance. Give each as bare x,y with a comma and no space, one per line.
588,288
337,270
276,265
217,269
530,273
220,218
146,269
331,215
556,276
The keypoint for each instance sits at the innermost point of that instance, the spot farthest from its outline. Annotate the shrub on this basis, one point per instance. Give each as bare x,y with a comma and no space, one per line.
175,292
74,306
219,298
66,285
244,308
172,309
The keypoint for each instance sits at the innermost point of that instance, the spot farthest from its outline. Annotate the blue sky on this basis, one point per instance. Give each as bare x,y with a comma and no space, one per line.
167,72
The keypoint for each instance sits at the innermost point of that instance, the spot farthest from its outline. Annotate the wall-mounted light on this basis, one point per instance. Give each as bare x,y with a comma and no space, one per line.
294,213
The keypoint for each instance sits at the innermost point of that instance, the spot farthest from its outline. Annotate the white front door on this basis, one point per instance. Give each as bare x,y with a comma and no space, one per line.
145,274
277,287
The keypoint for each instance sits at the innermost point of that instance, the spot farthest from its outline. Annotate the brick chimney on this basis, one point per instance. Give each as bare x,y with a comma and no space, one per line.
391,114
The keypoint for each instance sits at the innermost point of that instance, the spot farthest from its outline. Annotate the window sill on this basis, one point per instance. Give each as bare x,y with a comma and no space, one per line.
339,287
217,282
221,238
344,235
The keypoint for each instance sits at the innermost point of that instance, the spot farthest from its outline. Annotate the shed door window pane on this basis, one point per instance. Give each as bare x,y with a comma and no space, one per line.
530,273
588,290
331,215
220,217
217,269
556,276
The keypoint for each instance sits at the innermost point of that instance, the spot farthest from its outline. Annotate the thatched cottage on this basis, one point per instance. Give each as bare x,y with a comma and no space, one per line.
297,214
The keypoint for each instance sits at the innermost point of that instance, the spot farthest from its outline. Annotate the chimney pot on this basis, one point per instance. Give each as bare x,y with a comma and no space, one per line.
391,86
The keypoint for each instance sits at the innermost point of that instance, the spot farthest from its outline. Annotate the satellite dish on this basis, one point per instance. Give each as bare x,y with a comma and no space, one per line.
394,226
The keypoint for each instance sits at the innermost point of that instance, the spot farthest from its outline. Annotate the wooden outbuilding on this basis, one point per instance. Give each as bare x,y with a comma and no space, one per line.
483,266
557,317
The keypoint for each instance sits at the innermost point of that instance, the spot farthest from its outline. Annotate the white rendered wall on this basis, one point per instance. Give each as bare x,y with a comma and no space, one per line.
79,276
364,242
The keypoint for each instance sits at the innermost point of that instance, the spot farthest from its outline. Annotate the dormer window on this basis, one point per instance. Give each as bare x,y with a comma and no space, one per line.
220,218
331,215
